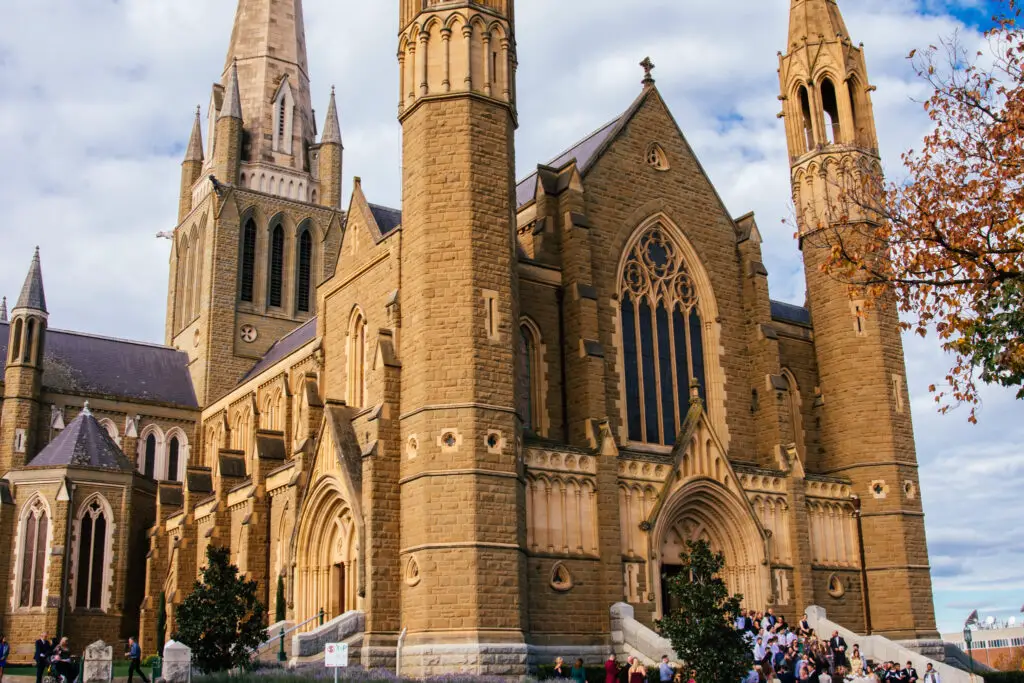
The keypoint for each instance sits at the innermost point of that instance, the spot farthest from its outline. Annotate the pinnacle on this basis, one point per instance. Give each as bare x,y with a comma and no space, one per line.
32,295
195,141
232,107
332,128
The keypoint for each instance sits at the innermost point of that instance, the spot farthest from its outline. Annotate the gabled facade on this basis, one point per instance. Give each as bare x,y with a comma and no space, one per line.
490,415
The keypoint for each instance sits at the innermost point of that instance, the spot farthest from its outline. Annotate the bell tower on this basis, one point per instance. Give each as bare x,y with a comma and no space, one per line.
866,431
463,502
259,208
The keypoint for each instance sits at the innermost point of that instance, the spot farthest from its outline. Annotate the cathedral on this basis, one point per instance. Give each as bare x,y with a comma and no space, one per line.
483,418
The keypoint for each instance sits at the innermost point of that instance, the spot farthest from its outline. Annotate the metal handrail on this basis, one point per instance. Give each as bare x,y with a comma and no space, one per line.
270,641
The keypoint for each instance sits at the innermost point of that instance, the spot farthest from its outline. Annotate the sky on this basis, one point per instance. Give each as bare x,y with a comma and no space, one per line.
97,99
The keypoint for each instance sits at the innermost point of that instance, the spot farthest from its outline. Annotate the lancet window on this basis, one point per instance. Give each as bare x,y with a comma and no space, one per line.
662,338
35,529
92,548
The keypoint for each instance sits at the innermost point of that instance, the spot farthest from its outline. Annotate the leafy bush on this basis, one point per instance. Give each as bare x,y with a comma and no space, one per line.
222,619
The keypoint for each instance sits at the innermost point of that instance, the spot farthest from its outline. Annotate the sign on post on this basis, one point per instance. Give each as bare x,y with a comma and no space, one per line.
336,657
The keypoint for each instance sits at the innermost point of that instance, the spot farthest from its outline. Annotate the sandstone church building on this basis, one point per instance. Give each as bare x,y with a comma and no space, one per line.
489,415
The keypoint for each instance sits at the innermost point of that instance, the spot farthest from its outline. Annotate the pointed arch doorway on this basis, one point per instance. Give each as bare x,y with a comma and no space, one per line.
327,554
703,509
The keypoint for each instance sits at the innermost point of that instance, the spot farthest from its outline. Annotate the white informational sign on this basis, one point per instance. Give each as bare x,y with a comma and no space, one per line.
336,655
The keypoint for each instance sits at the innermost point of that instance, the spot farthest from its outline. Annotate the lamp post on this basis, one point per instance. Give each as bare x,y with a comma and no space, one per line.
968,637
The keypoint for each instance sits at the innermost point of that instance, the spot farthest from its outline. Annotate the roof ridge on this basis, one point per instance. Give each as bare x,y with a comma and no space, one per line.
90,335
573,146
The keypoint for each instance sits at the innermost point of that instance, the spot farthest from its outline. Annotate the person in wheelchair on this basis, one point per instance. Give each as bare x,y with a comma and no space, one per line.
61,663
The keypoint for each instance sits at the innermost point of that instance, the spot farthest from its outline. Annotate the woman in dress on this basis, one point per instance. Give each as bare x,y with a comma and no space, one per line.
611,670
856,663
637,672
579,673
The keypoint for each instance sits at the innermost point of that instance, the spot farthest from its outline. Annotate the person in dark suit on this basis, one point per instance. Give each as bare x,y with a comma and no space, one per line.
838,647
44,648
911,673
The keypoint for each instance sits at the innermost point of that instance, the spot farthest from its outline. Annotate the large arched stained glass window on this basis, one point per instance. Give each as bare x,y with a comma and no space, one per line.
34,548
662,338
149,466
304,272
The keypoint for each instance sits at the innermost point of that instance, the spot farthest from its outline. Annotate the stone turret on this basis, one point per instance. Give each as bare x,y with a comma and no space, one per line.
866,430
459,298
331,154
24,371
227,152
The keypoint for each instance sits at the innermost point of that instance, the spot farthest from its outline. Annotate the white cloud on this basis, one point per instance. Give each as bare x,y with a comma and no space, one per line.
96,102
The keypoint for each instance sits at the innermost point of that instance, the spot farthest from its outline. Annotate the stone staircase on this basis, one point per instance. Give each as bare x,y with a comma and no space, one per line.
632,638
308,647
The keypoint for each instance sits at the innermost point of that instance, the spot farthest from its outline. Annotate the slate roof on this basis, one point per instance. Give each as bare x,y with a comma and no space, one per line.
284,347
790,313
83,363
387,219
583,152
83,443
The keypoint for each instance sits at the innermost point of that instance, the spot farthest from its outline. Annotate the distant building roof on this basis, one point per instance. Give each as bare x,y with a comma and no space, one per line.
387,219
790,313
83,363
83,443
284,347
583,152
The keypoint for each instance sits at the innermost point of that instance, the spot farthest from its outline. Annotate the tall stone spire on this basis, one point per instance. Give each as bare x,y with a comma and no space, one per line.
268,44
809,19
3,310
32,296
194,152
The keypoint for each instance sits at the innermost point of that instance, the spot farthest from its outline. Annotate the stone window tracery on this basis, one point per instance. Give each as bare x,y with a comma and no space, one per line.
35,529
656,157
662,338
91,556
530,380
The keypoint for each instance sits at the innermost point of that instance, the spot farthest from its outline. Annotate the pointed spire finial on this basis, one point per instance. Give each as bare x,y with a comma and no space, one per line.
232,107
32,295
195,141
648,67
3,310
332,128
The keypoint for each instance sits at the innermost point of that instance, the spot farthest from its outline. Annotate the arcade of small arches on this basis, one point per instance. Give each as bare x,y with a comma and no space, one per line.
280,185
455,54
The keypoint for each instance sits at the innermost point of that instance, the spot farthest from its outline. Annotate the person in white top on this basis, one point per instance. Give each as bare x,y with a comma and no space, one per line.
931,675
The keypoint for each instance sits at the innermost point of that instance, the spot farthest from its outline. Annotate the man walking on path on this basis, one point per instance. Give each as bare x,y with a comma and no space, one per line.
134,654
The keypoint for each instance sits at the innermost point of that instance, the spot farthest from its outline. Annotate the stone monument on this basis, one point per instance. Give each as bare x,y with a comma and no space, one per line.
177,662
99,663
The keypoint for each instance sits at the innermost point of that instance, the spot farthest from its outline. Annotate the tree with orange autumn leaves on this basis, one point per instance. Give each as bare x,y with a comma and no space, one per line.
947,242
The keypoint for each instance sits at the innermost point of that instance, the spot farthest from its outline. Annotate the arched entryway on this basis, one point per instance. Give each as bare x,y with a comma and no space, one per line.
705,509
327,553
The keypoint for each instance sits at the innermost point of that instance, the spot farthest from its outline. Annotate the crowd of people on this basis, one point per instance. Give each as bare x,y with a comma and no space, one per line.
780,653
796,654
54,656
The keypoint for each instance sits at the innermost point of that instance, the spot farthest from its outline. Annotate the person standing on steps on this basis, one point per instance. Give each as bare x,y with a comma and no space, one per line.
5,650
134,655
